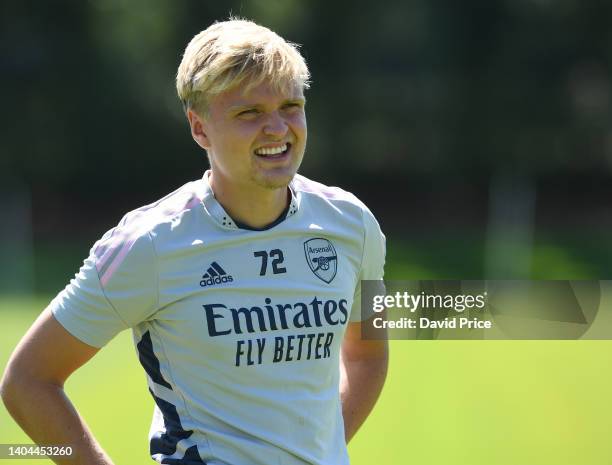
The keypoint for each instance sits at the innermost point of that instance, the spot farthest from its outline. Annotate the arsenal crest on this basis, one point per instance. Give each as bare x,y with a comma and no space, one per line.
322,258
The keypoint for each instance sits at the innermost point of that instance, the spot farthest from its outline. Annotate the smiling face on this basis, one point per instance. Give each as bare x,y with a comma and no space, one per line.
254,139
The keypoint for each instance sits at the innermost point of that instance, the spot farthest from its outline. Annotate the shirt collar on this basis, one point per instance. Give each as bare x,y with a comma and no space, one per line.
222,218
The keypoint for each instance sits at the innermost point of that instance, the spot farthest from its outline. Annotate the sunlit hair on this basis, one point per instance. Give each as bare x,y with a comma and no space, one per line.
237,52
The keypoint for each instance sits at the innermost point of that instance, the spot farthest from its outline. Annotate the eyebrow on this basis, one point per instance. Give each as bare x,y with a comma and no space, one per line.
243,107
236,108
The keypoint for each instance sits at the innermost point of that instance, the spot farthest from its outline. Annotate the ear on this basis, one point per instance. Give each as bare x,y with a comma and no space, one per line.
198,132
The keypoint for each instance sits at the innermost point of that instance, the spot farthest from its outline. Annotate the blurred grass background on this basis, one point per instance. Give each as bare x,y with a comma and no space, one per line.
444,403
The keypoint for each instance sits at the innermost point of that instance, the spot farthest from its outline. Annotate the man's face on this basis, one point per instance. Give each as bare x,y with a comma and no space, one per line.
256,138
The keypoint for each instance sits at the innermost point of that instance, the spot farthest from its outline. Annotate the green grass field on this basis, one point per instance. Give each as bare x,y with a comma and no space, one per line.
445,402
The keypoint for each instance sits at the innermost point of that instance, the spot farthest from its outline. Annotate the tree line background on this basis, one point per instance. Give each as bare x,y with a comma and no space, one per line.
478,131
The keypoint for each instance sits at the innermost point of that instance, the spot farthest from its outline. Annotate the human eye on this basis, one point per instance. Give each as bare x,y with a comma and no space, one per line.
293,106
249,112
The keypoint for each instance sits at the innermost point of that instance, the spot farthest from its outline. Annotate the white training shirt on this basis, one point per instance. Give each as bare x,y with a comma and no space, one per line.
239,331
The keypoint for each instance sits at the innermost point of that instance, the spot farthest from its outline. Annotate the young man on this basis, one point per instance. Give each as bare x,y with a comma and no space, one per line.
242,289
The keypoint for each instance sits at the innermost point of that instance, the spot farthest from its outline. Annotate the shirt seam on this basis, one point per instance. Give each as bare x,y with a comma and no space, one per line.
175,388
127,326
363,251
156,256
163,348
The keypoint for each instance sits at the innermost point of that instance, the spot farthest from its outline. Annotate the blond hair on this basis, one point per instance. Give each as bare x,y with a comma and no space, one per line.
236,52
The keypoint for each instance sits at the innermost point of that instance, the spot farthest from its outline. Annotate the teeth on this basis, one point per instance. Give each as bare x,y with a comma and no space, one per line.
274,151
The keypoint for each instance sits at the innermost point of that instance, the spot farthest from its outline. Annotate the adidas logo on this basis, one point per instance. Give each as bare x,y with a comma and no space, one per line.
215,275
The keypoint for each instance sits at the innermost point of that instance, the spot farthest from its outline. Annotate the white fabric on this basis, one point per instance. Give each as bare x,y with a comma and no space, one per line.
152,273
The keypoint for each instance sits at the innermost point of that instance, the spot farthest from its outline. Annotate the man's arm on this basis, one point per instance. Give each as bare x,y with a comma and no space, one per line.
363,368
32,389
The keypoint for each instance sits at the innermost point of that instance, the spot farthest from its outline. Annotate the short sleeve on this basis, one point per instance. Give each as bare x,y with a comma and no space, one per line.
372,265
115,289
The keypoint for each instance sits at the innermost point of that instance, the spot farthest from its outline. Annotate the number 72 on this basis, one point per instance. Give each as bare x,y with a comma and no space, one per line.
277,258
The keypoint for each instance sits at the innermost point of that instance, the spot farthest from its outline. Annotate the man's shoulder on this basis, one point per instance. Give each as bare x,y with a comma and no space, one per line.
179,202
153,218
343,207
331,194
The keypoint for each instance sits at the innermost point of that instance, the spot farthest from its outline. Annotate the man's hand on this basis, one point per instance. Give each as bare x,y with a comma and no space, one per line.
363,368
32,389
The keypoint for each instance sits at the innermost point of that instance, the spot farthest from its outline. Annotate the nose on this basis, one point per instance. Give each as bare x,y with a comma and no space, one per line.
275,125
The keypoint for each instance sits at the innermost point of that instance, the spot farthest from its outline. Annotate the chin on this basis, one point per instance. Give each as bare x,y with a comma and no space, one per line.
275,181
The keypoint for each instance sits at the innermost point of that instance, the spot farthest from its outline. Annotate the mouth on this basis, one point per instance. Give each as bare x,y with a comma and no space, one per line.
273,153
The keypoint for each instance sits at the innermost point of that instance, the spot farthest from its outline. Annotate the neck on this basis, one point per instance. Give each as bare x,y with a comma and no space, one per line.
254,206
